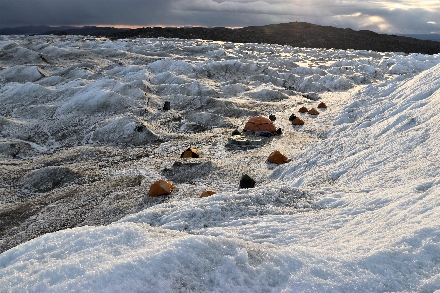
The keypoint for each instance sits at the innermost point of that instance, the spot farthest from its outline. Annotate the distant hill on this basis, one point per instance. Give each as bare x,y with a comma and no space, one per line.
297,34
32,29
431,37
62,30
88,31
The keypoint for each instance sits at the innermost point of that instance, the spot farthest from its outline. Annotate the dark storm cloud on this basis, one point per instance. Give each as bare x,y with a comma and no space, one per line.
380,16
80,12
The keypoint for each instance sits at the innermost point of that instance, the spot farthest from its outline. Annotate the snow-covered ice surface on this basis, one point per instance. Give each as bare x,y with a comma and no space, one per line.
83,135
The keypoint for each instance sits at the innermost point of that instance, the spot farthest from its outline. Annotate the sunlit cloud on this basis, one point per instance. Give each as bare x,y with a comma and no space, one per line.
378,22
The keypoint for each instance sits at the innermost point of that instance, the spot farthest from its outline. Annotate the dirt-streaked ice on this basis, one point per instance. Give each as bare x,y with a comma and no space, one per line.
356,209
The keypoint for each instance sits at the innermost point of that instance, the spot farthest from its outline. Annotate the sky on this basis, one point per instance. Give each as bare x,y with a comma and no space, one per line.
380,16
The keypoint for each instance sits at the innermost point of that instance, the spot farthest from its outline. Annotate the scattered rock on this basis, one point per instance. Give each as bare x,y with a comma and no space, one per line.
322,105
236,132
189,153
277,157
303,110
207,193
297,121
247,181
313,111
292,117
161,187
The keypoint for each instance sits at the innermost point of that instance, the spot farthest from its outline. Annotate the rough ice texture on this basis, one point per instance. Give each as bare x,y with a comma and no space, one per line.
355,210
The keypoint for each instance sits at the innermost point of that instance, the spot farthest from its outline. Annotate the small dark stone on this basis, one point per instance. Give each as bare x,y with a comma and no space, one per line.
265,134
139,128
247,182
167,106
236,132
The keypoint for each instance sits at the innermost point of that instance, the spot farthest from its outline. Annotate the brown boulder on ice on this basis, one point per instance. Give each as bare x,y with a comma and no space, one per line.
161,187
189,153
207,193
322,105
313,111
303,110
278,158
297,121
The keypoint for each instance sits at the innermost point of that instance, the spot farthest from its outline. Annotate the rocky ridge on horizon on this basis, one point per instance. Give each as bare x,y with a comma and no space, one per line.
97,31
296,34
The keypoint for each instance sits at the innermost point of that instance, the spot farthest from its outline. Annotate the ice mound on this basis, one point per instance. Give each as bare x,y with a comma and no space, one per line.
45,179
182,172
169,65
126,130
206,119
128,73
236,89
18,95
12,51
267,94
16,149
95,99
399,69
231,69
191,89
51,50
21,73
9,126
72,73
168,78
